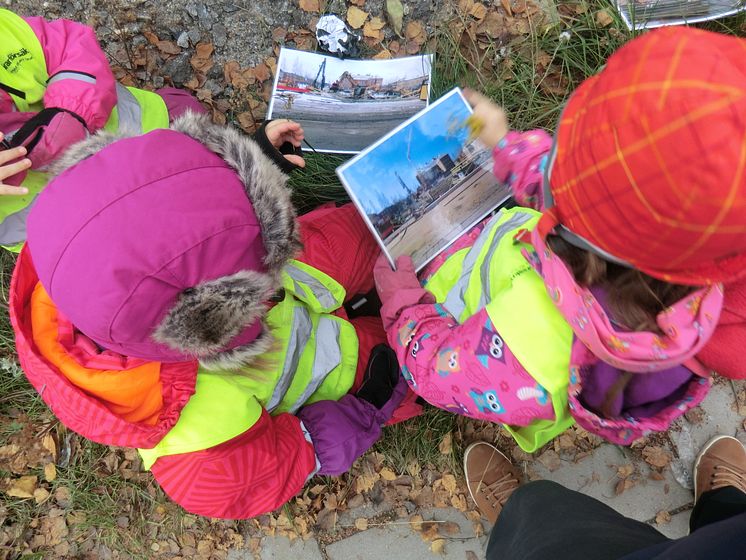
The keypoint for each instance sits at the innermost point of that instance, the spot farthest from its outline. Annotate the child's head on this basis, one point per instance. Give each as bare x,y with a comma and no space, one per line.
166,246
649,166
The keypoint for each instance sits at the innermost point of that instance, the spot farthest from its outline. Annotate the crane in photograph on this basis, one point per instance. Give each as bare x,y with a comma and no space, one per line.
322,74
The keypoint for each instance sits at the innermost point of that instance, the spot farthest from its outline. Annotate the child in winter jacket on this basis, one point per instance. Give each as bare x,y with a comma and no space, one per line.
595,310
148,253
55,88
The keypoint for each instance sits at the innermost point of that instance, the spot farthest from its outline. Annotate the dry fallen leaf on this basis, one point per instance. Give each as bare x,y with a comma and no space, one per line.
656,456
261,72
385,54
416,521
603,18
41,495
478,11
388,474
310,6
625,470
395,15
506,7
50,472
356,17
662,518
365,482
446,444
415,32
361,523
438,546
449,483
22,487
168,47
202,59
50,445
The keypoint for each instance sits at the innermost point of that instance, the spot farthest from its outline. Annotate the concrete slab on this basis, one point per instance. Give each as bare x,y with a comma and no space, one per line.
281,548
399,540
596,476
718,414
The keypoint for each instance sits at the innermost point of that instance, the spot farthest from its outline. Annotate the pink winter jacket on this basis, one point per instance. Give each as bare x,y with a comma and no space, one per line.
72,47
491,383
430,344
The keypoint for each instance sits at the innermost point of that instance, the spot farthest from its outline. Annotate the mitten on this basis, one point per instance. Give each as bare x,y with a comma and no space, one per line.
398,288
341,431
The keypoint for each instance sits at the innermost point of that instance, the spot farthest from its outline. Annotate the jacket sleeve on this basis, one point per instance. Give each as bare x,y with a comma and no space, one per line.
80,79
251,474
465,368
519,161
719,354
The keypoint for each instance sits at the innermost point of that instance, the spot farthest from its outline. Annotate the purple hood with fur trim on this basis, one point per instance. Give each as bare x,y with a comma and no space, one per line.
166,246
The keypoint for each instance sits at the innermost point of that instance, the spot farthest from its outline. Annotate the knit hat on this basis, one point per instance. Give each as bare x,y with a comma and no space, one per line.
166,246
649,167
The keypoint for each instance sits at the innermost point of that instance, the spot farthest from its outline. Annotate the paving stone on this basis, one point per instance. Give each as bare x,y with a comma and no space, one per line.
281,548
596,476
720,416
398,540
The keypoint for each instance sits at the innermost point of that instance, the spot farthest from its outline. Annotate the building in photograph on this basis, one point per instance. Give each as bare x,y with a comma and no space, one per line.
350,82
436,170
409,87
291,81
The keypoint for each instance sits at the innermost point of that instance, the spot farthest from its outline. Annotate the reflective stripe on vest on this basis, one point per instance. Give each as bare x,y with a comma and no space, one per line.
23,69
315,358
494,275
321,292
301,328
68,75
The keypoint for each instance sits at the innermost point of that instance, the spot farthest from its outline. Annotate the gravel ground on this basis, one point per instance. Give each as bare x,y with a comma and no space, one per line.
241,30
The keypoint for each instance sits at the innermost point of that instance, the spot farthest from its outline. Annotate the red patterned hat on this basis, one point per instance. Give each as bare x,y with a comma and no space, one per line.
650,162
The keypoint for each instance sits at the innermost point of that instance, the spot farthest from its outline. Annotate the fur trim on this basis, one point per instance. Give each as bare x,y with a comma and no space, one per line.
265,184
210,315
241,356
84,149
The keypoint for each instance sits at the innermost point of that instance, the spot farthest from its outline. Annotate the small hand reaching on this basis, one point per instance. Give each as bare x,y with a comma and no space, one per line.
9,167
492,119
281,131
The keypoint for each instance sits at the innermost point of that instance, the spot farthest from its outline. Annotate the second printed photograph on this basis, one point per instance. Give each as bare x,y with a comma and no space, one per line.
346,105
425,183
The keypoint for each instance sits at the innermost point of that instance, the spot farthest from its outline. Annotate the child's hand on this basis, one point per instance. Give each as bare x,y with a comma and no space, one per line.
490,115
8,169
283,130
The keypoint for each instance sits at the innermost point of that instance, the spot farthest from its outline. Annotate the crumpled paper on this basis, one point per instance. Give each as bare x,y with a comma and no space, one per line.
335,37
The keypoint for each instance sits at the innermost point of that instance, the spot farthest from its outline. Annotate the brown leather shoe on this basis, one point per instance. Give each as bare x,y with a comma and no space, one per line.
722,462
491,478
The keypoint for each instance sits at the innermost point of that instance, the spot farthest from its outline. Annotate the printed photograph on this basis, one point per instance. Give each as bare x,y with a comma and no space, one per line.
426,183
346,105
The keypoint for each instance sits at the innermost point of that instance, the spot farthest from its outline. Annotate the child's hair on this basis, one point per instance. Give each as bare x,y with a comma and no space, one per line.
634,298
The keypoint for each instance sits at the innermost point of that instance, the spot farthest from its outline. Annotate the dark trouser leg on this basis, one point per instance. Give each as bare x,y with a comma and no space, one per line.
717,505
545,521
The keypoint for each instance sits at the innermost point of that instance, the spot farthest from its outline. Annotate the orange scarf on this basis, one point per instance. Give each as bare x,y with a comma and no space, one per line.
128,387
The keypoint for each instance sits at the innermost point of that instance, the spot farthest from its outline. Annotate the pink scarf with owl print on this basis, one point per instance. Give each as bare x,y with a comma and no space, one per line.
687,325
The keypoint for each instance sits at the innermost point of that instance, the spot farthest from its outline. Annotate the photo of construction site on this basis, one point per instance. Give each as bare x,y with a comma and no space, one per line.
346,105
426,183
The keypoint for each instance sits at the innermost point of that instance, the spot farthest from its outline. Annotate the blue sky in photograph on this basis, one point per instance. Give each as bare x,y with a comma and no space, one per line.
373,177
